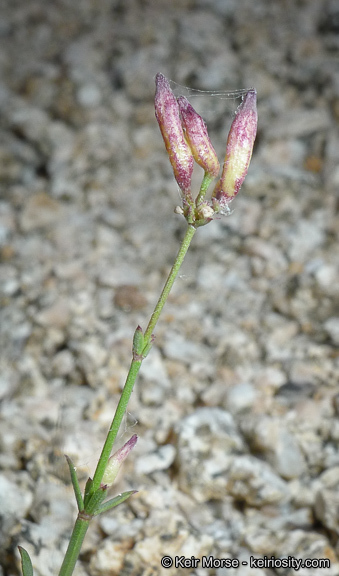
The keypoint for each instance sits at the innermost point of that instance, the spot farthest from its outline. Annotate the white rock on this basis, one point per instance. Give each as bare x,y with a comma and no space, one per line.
178,348
332,328
241,397
89,95
207,441
253,481
15,501
161,459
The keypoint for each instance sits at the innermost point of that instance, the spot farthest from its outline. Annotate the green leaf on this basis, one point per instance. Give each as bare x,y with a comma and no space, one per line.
88,491
27,568
75,484
148,346
114,502
95,500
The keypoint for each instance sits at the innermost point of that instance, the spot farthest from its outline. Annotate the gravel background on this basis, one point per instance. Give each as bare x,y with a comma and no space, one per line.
237,405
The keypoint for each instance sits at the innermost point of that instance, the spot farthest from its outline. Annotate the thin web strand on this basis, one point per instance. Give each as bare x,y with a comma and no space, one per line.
195,92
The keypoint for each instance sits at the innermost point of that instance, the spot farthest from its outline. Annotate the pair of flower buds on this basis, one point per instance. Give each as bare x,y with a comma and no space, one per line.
186,140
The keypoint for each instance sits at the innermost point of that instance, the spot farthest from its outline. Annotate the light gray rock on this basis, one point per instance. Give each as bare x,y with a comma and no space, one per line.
178,348
332,328
207,439
15,501
269,436
241,397
326,508
161,459
63,363
252,481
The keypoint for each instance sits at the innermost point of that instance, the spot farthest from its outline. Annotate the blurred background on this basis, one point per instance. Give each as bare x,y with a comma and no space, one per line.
237,404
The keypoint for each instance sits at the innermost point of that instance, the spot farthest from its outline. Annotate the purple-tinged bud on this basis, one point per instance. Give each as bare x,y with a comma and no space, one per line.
115,461
167,115
198,138
238,150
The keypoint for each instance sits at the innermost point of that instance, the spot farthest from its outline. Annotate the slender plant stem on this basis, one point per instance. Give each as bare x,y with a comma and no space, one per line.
114,429
81,524
170,281
74,546
203,188
135,364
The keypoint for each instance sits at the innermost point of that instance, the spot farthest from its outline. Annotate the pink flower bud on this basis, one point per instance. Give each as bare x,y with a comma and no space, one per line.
198,139
115,461
167,115
238,150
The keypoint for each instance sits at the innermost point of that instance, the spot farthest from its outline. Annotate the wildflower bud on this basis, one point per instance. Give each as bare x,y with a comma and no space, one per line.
206,211
115,461
167,115
198,139
238,150
138,342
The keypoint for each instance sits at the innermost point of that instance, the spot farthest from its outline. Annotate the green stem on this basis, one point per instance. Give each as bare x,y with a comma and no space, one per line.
74,546
170,281
135,364
82,521
203,188
114,429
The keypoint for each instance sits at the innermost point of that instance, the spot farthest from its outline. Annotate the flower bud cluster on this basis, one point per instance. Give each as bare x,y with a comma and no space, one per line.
186,140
